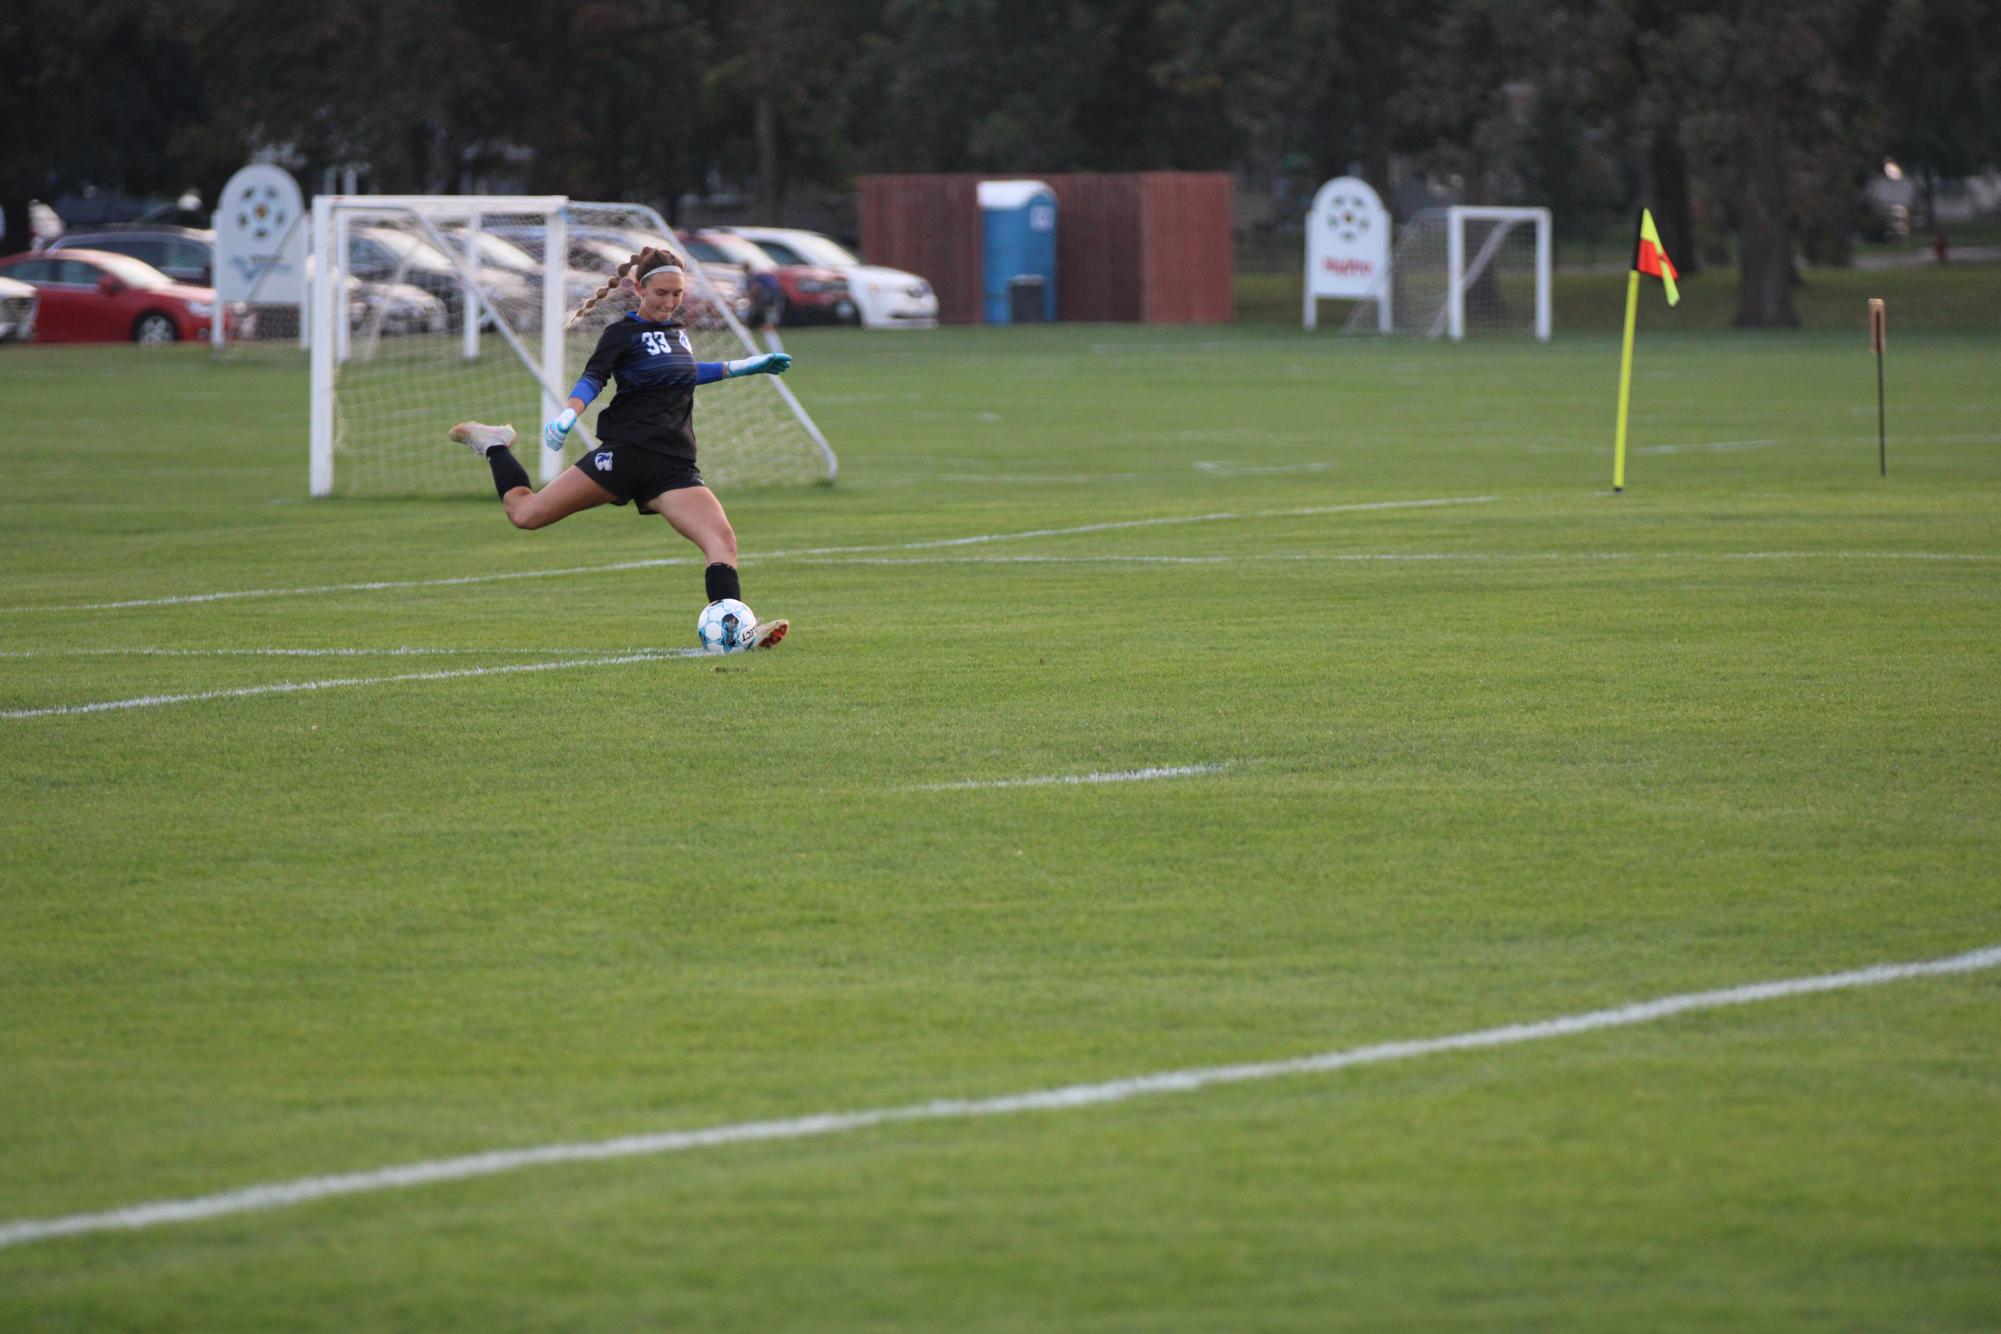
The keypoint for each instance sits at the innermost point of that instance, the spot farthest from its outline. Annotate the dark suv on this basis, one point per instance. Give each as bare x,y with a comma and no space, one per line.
185,254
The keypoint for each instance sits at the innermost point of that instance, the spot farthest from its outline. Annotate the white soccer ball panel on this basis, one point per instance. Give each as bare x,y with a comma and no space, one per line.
722,624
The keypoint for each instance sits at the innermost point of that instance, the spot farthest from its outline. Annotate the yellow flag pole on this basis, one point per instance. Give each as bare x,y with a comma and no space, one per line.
1625,382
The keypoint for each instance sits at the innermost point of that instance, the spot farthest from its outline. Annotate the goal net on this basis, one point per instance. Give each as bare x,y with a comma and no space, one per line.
439,309
1467,269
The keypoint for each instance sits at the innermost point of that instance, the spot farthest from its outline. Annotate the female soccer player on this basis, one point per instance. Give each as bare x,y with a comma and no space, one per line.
646,437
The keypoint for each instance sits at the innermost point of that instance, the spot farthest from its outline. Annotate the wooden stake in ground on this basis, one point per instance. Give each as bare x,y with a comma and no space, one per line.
1878,336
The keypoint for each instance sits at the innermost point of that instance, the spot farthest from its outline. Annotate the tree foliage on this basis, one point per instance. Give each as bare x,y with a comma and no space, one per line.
1739,121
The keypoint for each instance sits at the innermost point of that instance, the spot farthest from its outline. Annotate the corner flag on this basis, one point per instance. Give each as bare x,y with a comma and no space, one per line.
1649,257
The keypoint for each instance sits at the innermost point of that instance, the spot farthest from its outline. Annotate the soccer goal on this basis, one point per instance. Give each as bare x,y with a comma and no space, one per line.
1468,269
435,309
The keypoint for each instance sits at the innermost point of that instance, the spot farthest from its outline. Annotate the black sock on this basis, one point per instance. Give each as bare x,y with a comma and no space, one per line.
507,470
722,582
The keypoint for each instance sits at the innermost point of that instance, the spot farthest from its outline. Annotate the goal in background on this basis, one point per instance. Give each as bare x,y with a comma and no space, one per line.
1468,269
439,309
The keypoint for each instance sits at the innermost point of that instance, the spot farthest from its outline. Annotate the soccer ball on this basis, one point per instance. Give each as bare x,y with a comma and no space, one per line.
722,626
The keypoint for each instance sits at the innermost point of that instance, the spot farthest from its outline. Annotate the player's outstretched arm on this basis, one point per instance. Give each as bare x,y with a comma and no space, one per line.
764,363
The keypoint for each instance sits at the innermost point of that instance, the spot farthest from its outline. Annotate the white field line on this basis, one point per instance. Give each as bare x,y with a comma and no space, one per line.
1128,776
1257,470
1708,447
1221,470
1725,446
1301,512
1403,557
368,586
281,1194
1266,557
1856,555
289,687
377,585
1008,479
401,651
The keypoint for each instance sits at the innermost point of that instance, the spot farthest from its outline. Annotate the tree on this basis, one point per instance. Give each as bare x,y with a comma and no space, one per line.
608,95
978,85
392,87
1251,77
1764,167
1941,88
1778,109
1762,114
777,93
64,125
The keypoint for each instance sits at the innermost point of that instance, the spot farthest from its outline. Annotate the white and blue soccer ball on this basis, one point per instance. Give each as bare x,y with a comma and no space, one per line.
723,626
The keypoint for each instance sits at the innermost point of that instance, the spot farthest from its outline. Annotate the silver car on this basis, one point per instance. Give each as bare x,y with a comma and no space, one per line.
389,254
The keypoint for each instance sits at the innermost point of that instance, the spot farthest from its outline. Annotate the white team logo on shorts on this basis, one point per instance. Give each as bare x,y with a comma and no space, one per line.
603,461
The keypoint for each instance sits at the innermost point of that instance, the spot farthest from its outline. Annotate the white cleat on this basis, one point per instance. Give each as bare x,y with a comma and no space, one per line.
765,634
479,437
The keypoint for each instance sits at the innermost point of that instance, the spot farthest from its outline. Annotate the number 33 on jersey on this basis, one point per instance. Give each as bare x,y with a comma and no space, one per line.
661,342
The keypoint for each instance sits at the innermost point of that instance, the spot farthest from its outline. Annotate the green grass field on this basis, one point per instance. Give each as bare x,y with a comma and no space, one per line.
1953,298
1533,753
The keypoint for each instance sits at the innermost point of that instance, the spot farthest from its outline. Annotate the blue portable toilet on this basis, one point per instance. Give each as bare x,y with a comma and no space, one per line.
1019,222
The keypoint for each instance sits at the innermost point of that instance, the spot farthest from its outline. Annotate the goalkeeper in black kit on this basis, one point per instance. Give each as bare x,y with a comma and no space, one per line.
646,437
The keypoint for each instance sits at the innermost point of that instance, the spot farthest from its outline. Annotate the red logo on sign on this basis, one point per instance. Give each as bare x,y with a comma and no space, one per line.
1348,268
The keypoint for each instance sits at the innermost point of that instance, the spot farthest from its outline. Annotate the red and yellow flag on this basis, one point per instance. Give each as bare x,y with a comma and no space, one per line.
1649,257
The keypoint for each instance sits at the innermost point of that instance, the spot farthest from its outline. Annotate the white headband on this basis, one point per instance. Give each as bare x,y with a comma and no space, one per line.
658,265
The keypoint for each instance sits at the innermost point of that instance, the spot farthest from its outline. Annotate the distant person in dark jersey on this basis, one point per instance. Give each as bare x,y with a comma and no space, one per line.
646,436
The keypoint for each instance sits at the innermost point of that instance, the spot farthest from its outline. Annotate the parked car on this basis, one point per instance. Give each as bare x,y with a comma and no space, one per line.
732,281
504,249
17,311
782,292
395,308
597,250
94,296
886,298
596,253
389,254
185,254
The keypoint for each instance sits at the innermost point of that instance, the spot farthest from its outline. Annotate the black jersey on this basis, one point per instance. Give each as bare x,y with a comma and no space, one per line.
654,364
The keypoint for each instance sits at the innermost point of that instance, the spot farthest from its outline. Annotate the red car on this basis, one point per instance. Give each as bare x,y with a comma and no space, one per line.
93,296
792,293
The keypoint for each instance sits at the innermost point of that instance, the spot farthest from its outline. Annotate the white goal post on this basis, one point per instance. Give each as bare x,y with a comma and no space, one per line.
1470,268
425,310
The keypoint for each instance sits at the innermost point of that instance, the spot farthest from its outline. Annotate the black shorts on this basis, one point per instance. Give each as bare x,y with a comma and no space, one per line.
631,473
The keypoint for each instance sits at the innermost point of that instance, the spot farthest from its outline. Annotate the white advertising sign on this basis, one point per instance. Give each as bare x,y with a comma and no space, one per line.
1347,246
260,238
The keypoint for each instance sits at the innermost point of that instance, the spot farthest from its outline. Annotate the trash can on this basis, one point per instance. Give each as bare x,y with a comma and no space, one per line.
1028,299
1018,220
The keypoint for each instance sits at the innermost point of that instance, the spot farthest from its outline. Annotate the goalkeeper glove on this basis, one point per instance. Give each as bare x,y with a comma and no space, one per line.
765,363
557,431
